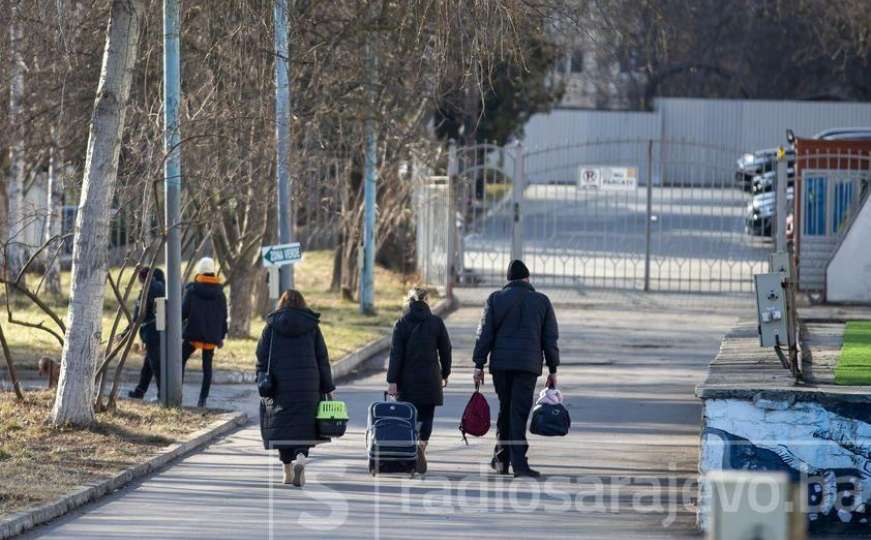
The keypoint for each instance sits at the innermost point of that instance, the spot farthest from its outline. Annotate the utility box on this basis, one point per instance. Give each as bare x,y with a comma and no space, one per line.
272,278
160,314
771,309
754,505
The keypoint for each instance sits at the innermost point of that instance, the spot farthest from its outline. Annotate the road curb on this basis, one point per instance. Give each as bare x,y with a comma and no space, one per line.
351,361
19,522
33,377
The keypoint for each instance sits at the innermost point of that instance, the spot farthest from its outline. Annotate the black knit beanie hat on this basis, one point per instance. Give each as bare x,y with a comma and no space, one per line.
517,270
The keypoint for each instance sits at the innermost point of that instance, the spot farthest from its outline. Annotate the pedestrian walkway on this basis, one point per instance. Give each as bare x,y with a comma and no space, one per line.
627,469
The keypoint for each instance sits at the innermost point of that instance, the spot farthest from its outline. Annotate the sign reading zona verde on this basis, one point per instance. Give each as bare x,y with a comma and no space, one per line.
282,254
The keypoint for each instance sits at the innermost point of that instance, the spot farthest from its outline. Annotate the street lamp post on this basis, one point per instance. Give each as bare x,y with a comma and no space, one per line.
370,185
172,396
282,135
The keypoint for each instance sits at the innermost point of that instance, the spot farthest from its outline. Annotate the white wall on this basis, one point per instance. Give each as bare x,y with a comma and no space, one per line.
848,276
703,137
563,126
746,125
739,125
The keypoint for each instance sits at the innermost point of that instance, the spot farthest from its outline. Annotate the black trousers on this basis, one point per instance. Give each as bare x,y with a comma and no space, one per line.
150,366
145,375
286,455
425,415
516,391
208,354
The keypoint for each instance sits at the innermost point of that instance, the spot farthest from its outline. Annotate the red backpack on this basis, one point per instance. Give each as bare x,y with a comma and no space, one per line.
476,416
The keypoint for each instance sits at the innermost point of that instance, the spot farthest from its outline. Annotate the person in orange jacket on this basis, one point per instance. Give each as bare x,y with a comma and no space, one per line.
204,319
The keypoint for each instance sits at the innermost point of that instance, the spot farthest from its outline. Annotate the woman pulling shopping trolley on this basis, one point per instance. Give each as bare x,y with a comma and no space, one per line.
419,366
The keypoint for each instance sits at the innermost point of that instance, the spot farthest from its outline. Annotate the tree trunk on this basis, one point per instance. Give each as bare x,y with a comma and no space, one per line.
336,281
351,267
10,366
82,351
241,292
53,216
263,305
351,233
15,184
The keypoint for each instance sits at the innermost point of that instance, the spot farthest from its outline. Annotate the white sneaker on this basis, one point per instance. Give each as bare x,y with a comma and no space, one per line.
298,472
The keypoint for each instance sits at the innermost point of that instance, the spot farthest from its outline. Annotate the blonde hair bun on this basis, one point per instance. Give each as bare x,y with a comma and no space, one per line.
417,294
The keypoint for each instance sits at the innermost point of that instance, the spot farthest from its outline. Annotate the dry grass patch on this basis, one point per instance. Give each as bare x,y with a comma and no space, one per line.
345,328
39,463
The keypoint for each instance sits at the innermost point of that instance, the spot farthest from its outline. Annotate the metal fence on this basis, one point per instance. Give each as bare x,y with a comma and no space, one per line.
317,201
432,204
653,215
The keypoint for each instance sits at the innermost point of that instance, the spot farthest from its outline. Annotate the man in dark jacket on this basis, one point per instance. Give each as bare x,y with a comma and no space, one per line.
204,316
148,332
518,328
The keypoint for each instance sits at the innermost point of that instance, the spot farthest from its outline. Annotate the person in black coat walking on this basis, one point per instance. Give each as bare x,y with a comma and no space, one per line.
293,351
420,364
518,328
204,319
148,332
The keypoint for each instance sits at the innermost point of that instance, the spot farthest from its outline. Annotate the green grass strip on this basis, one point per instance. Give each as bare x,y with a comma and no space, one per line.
854,365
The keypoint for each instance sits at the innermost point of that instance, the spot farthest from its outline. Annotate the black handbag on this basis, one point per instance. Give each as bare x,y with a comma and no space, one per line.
265,384
550,420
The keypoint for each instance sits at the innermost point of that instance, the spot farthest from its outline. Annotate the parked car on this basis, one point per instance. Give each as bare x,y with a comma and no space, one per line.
753,164
765,182
845,134
761,211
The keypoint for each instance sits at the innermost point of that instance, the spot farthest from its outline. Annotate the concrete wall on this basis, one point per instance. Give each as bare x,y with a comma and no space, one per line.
826,445
848,276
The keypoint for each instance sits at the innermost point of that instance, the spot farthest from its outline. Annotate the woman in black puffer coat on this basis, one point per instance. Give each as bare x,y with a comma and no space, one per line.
301,374
420,364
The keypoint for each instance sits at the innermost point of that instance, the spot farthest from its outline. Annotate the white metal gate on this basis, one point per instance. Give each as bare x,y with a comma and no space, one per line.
630,214
435,233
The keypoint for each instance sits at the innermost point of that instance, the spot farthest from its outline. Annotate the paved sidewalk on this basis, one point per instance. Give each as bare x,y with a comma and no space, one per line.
630,362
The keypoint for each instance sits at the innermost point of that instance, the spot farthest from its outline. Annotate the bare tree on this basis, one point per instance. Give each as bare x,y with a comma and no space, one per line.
15,186
53,215
56,163
82,351
753,49
424,50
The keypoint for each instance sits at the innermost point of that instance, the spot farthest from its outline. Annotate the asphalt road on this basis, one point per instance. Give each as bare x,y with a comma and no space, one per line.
627,470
